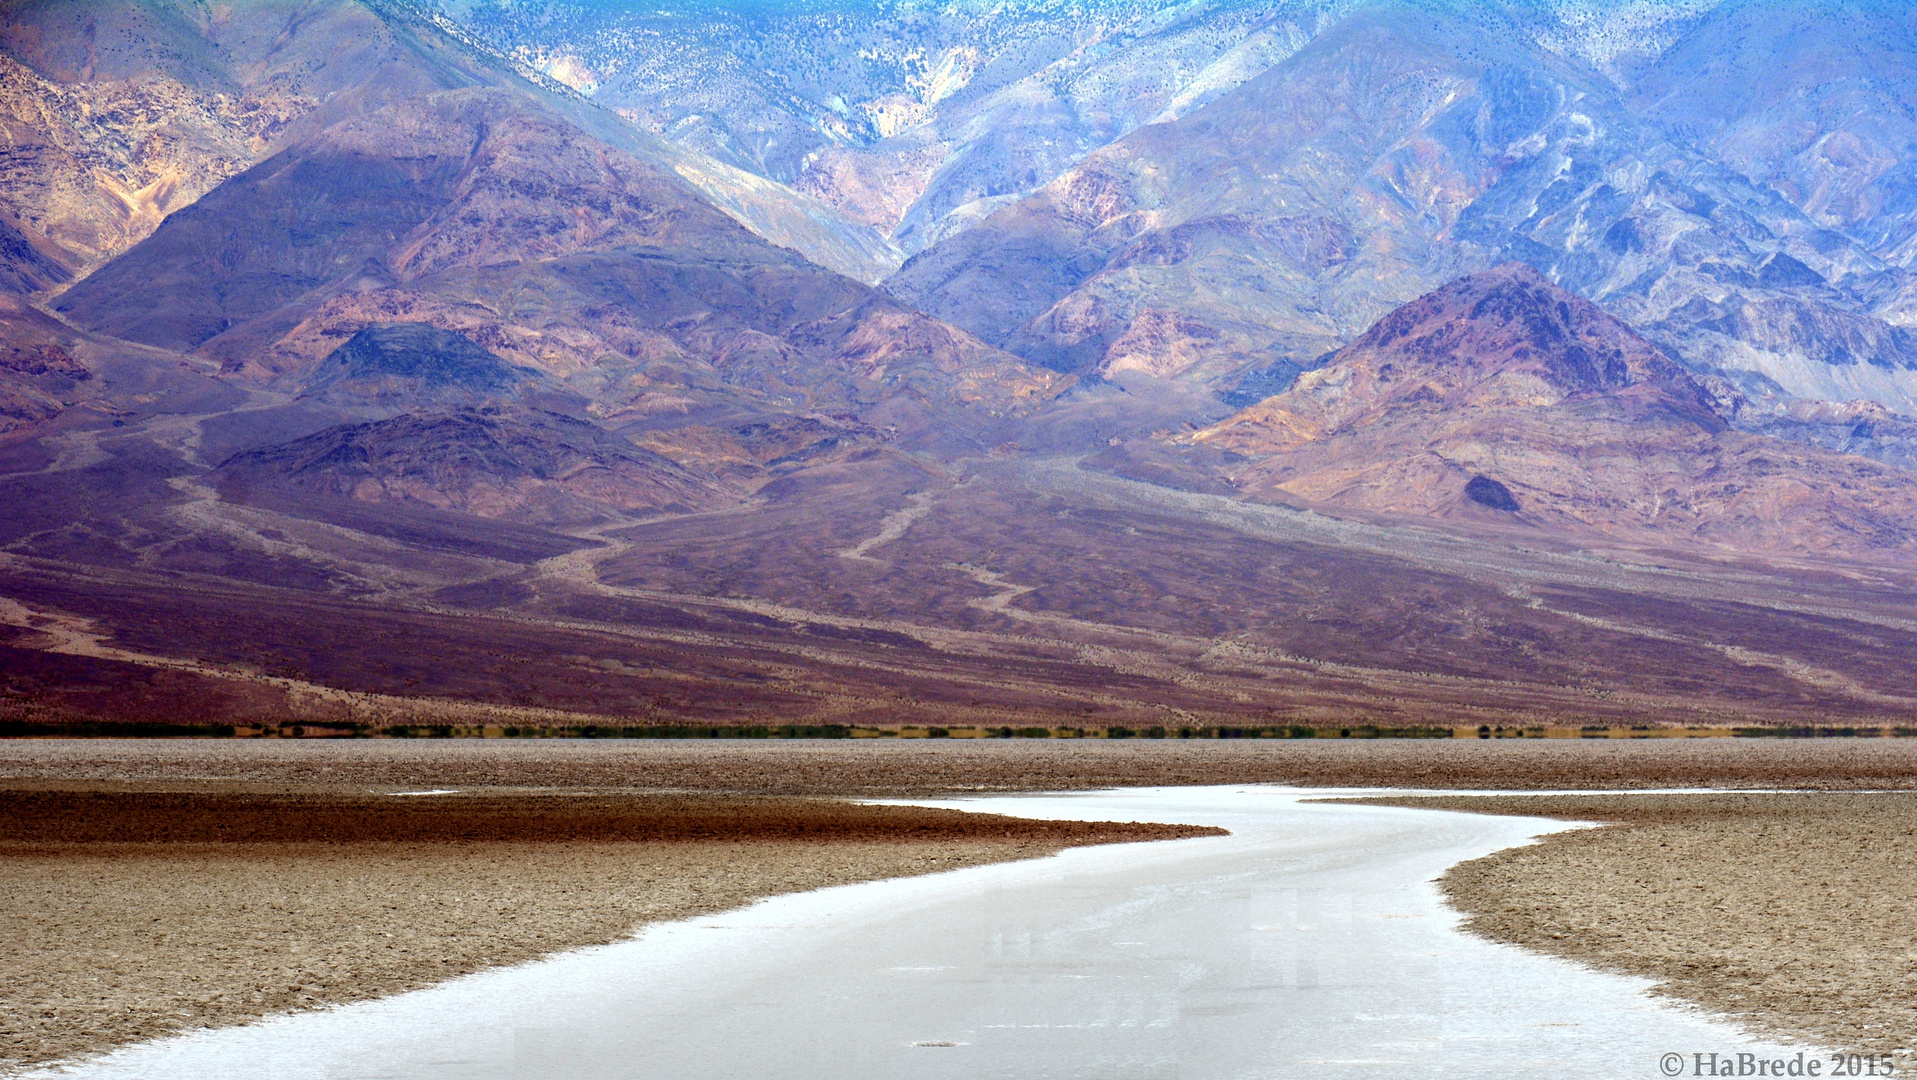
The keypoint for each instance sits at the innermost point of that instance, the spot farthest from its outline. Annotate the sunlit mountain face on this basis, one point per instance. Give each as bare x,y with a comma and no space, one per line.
874,362
912,118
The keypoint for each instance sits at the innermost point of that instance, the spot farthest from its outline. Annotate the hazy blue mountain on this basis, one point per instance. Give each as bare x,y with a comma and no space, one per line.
919,119
1405,145
1816,99
1654,156
914,119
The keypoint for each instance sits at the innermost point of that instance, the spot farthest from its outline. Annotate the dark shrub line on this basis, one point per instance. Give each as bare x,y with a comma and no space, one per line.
111,729
24,729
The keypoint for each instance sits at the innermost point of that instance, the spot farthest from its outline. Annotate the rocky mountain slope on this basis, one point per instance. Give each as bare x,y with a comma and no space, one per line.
513,464
824,128
914,121
1864,428
114,115
426,390
471,248
1501,397
489,217
1812,100
920,121
118,114
28,263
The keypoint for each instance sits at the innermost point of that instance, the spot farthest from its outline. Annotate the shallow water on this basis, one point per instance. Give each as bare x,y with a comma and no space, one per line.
1309,943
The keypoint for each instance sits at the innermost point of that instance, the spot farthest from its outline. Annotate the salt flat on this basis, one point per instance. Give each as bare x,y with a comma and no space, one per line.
1309,943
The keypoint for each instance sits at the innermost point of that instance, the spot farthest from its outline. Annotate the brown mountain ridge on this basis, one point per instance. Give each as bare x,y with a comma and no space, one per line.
485,215
1503,398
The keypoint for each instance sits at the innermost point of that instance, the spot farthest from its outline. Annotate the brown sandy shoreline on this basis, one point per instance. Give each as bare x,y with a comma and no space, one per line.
1795,914
126,915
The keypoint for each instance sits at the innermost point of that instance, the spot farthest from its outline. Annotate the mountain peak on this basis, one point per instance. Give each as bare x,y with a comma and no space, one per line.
1504,337
1502,398
1512,318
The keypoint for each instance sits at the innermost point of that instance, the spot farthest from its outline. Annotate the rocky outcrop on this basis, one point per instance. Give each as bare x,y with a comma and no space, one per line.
39,374
518,465
1502,399
408,365
755,452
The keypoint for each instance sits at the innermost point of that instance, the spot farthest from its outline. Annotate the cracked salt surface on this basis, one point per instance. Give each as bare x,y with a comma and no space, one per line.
1309,943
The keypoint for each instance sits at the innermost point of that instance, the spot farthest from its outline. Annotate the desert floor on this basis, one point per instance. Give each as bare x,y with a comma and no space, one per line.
125,915
1795,913
877,767
150,887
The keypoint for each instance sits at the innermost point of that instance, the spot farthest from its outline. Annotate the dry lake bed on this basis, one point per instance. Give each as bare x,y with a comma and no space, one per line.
1310,942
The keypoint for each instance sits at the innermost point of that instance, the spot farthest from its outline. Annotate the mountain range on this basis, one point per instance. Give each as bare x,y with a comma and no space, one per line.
1397,362
1253,184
